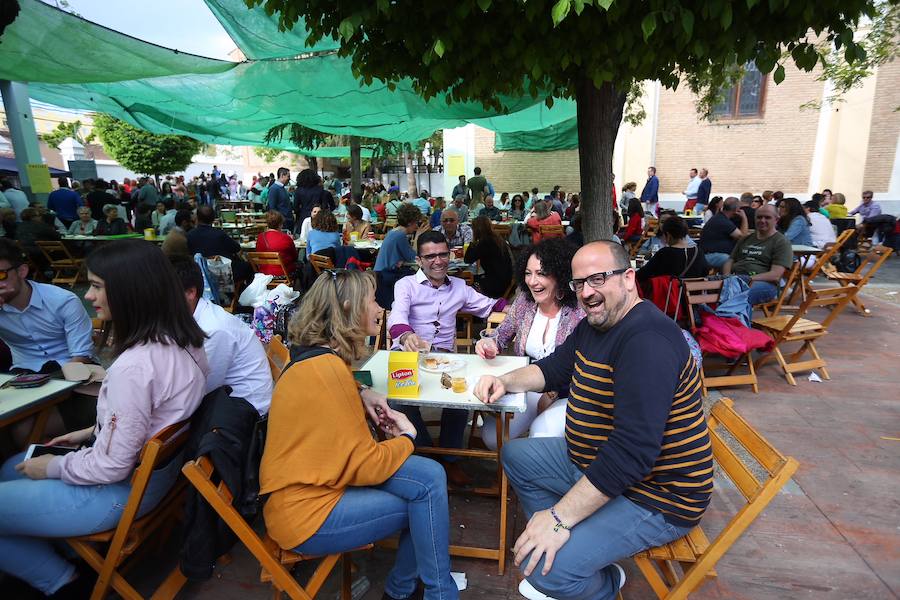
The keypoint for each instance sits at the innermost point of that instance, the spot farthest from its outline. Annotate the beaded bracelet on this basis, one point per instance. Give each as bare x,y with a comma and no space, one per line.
559,524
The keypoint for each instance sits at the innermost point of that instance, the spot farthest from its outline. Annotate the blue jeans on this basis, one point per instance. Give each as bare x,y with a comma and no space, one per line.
541,473
762,291
414,502
716,259
33,510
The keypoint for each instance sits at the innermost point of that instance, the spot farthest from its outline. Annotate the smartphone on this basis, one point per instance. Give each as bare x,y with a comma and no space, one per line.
364,377
27,380
36,450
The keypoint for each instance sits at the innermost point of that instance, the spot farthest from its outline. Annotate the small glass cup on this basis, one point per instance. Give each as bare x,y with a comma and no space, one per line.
489,343
458,382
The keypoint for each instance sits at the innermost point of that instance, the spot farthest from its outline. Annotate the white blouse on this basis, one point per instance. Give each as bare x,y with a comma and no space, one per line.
535,346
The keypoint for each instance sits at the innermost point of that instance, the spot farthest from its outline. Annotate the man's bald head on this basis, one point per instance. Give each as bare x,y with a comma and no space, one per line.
612,252
767,209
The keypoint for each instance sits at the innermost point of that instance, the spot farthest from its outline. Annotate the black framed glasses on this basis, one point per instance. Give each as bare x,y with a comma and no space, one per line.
435,256
596,281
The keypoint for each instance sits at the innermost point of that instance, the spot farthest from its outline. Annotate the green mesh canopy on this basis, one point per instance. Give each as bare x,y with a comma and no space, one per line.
72,63
562,136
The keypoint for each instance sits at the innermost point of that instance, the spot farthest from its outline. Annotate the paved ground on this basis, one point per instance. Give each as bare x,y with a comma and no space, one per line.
833,532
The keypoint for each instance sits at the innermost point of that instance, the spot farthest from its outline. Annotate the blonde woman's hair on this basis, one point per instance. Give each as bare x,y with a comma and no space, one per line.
838,198
333,313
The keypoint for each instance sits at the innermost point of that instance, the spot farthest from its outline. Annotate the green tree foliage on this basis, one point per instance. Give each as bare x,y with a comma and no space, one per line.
144,152
590,50
66,130
267,154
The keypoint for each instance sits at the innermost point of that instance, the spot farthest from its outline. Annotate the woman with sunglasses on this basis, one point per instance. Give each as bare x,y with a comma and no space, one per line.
331,486
156,380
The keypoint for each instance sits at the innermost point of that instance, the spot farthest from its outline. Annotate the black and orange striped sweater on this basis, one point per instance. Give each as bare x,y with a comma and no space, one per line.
634,418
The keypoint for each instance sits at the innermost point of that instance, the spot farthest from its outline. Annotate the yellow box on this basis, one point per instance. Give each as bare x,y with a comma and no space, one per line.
403,375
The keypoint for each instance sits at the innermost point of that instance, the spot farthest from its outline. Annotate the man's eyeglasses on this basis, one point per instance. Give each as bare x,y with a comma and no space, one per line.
435,256
450,220
867,197
596,281
4,273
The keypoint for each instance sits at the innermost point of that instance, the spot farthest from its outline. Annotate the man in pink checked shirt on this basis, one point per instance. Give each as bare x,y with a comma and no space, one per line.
423,317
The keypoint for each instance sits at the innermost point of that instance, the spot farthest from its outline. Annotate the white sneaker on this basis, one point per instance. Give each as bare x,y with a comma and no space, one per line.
531,593
621,575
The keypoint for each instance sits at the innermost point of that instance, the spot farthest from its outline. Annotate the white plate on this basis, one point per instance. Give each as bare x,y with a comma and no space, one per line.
451,365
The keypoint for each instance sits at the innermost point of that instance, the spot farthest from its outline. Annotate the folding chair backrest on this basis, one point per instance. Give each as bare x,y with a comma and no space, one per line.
837,298
279,356
465,324
320,263
199,473
787,290
55,251
552,231
700,291
502,229
829,251
258,259
872,262
228,216
494,320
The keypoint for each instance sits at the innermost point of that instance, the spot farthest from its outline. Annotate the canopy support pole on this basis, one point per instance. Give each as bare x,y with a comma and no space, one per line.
21,129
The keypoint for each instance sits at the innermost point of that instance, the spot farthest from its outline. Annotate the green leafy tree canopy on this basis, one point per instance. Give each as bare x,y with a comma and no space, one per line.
66,130
592,50
142,151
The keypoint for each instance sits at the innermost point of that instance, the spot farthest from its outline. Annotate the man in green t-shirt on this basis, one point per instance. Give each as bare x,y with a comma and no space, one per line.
478,185
761,258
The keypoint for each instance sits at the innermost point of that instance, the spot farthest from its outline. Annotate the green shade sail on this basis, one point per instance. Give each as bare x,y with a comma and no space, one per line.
563,136
45,44
72,63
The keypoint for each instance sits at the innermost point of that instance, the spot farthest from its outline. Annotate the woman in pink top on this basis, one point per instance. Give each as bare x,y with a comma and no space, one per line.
157,379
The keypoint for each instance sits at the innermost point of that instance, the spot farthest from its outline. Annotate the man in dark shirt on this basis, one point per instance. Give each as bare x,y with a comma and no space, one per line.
209,241
490,211
65,202
279,199
635,467
719,234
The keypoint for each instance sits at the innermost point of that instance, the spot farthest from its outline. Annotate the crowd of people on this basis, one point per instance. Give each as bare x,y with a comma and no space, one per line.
605,461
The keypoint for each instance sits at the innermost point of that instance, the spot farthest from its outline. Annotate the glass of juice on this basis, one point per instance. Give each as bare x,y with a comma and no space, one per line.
458,380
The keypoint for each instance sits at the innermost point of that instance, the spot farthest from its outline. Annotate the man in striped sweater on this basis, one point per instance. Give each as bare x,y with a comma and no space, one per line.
635,467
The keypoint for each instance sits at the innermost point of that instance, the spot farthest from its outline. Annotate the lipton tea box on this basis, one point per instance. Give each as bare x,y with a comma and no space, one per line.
403,375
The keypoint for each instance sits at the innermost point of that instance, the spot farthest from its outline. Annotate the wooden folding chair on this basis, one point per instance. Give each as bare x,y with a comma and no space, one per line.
861,276
789,328
703,291
320,263
279,356
552,231
62,262
273,259
276,562
467,276
648,233
694,553
132,532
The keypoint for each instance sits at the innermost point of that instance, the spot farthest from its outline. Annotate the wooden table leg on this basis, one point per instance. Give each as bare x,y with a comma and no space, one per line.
40,423
504,491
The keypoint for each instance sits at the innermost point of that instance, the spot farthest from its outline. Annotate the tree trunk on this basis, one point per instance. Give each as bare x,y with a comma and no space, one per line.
312,163
599,116
411,184
355,169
